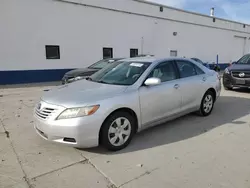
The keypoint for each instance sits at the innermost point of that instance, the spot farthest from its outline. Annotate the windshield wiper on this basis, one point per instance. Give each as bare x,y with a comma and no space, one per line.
98,81
102,82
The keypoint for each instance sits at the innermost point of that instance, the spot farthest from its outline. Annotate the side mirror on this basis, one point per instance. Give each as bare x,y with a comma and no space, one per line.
234,62
152,81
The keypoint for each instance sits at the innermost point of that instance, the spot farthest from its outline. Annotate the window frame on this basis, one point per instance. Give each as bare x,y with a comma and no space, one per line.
159,64
107,48
194,66
173,51
132,49
50,57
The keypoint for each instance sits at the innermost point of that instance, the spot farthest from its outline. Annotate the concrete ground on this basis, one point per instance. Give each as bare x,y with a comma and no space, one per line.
190,152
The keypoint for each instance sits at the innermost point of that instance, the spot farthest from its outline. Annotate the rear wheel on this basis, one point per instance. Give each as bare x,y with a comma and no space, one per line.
117,131
207,104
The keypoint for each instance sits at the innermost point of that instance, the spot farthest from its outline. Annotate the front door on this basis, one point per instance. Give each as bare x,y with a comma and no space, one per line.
160,101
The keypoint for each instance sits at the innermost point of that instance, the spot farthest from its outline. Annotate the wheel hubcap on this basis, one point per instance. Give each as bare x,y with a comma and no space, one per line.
119,131
208,103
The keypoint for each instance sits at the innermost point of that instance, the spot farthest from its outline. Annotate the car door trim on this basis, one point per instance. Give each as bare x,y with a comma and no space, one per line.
167,118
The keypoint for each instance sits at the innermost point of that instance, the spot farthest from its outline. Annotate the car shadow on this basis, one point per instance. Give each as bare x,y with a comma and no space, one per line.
241,90
227,110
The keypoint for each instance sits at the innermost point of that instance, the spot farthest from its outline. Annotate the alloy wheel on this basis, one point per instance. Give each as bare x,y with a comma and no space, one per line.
208,103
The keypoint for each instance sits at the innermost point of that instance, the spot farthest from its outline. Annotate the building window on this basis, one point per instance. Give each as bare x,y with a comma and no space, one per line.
214,19
244,26
107,53
161,9
52,52
173,53
133,52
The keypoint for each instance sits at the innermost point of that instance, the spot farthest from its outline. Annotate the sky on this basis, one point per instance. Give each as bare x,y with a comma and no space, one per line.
237,10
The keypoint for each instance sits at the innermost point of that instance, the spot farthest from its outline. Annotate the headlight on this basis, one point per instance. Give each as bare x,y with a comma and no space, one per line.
78,112
227,71
79,78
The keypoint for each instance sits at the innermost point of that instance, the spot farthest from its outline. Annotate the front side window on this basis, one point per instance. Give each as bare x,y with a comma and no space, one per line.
164,71
120,73
186,68
244,60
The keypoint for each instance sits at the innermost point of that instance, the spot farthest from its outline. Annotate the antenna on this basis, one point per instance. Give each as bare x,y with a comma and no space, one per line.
212,11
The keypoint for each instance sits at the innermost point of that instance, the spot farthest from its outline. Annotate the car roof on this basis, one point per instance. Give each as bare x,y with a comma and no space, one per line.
153,59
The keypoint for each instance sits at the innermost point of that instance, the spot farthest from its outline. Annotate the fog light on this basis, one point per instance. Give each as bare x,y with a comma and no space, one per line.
72,140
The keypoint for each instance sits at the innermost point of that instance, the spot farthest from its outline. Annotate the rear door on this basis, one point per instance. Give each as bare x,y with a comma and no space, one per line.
192,84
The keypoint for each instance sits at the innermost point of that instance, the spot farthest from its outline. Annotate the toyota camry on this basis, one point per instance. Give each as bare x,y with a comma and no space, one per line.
124,98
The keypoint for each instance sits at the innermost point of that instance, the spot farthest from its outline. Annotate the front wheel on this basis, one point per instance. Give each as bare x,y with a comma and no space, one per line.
227,88
207,104
117,131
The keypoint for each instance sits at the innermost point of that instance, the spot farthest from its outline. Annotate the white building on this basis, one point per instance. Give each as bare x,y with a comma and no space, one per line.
76,31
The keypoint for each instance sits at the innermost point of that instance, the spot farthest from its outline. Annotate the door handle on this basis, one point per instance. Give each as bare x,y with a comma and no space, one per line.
176,86
204,79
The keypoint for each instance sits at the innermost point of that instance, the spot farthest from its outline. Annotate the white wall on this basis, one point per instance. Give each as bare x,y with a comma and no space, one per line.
82,31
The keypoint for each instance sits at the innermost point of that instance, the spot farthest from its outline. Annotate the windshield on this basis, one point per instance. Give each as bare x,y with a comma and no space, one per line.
120,73
101,64
244,60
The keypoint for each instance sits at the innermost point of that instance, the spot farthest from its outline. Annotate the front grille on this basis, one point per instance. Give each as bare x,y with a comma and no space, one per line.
44,112
236,74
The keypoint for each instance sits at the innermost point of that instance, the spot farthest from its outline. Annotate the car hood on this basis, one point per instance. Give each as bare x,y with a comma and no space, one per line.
239,67
81,93
82,72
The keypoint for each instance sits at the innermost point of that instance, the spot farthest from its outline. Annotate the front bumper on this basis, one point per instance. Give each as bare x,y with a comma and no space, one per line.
218,89
67,80
230,81
80,132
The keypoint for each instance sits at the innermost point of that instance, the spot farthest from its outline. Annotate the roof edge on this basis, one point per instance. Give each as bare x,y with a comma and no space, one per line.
190,12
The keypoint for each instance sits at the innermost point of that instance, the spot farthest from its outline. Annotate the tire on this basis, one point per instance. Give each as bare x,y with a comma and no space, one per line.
205,111
110,132
228,88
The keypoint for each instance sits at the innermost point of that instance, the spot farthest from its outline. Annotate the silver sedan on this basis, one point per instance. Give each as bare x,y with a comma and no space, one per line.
124,98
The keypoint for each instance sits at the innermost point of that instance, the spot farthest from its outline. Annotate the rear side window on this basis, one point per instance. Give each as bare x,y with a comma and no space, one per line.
198,70
186,68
